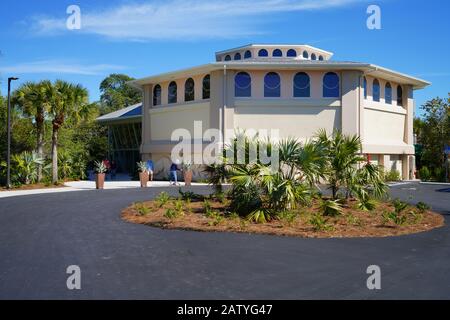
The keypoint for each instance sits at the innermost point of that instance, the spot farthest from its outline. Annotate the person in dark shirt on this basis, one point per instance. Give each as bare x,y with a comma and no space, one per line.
173,173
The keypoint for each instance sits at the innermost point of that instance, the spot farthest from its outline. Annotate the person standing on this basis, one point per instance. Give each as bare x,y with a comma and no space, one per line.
173,173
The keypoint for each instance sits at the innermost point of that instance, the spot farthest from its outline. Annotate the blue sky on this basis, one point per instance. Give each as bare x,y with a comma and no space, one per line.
141,38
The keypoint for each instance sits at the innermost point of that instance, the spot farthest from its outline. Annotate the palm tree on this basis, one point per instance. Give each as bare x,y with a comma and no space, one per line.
66,100
30,99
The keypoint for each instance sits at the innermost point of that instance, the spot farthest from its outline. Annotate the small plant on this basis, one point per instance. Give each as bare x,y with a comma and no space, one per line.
186,166
416,216
162,199
141,209
188,195
351,219
424,174
100,167
395,217
178,204
216,217
233,216
422,206
399,206
142,166
260,216
170,213
220,196
319,223
331,207
287,217
393,175
366,204
207,206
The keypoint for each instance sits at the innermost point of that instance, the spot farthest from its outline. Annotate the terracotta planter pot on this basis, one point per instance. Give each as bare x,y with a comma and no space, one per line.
187,178
99,180
143,177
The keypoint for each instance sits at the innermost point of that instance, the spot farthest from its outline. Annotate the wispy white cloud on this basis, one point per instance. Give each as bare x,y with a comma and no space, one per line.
59,67
183,19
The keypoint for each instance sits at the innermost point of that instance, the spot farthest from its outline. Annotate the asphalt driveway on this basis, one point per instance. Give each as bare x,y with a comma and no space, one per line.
41,235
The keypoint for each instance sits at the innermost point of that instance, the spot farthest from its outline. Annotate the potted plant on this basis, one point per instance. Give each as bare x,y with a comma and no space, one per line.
143,173
187,173
100,169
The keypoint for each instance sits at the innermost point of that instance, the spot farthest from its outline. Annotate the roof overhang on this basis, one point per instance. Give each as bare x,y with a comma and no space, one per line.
366,69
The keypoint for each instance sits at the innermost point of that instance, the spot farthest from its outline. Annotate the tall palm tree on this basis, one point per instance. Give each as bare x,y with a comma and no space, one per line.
30,99
66,100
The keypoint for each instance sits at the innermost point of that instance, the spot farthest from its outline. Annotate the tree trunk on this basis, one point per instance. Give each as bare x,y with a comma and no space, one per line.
40,147
55,155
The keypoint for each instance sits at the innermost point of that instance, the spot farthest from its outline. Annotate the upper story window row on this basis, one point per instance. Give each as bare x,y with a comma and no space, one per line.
189,91
388,93
276,53
301,85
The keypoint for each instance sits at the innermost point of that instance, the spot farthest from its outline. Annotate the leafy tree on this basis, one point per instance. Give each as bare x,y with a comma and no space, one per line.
66,100
116,94
434,132
30,98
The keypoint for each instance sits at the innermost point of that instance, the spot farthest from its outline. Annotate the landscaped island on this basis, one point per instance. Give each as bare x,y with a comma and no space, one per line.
321,188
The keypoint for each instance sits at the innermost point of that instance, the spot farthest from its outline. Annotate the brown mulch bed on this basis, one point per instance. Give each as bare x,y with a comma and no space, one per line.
352,223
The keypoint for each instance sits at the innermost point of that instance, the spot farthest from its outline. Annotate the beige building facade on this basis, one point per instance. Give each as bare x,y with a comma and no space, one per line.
295,89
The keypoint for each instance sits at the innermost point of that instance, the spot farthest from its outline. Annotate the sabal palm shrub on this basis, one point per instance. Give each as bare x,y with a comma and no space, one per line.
25,167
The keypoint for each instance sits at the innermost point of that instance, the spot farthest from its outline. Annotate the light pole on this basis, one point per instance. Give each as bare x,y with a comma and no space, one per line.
8,155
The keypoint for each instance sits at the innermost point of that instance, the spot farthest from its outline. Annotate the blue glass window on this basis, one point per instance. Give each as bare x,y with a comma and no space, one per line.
331,85
272,85
237,56
189,90
313,56
172,92
243,85
305,54
277,53
206,87
291,53
365,87
399,96
157,95
376,90
302,85
227,57
388,93
263,53
320,58
247,54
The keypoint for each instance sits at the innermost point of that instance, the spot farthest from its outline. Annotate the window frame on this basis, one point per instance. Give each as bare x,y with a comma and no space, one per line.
338,86
169,101
276,90
307,87
208,91
249,86
155,101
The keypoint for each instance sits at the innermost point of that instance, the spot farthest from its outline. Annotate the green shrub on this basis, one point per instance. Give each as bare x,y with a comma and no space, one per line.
331,207
189,195
287,217
367,204
261,215
171,213
207,207
439,174
178,204
417,216
162,199
351,219
422,206
319,223
399,205
141,208
424,174
216,217
395,217
393,175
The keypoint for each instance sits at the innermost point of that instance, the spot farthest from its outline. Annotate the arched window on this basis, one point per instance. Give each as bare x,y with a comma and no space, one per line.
388,93
237,56
313,56
291,53
331,85
247,54
263,53
272,85
277,53
376,90
302,85
189,90
206,87
320,58
172,92
157,95
365,87
227,57
243,85
305,54
400,96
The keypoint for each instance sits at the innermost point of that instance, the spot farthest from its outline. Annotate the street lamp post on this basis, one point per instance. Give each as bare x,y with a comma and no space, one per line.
8,155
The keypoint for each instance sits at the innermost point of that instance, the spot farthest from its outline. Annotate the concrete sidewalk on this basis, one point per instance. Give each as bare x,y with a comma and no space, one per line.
90,185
